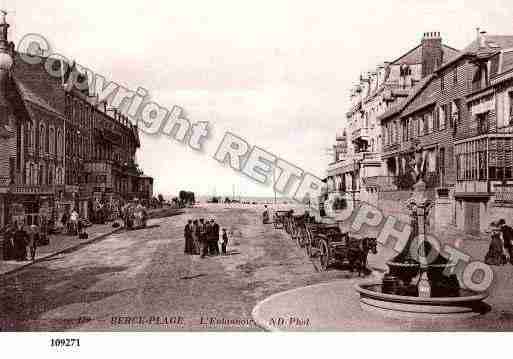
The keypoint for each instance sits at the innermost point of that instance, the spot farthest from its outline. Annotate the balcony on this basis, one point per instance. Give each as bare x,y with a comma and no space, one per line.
384,183
39,190
371,156
361,134
4,181
472,187
393,147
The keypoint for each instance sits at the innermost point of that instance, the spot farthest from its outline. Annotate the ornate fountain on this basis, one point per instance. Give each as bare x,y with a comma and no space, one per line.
416,285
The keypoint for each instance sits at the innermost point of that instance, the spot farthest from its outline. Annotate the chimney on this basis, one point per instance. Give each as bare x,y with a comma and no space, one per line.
481,38
432,52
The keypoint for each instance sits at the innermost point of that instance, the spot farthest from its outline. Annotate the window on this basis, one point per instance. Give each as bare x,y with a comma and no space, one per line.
59,143
405,130
42,138
482,123
448,115
455,76
436,118
441,165
50,174
510,112
429,120
28,135
51,140
442,83
476,158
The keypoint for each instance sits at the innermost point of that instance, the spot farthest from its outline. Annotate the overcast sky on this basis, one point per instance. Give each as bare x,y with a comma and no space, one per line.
277,73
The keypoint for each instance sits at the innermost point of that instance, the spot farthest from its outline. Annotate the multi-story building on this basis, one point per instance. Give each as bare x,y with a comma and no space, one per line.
420,134
361,169
60,148
484,138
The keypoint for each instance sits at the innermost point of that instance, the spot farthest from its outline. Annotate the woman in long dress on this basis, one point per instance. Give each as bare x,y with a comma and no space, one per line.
195,237
495,255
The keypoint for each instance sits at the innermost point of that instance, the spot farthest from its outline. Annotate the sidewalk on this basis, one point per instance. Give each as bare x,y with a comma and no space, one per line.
60,243
335,305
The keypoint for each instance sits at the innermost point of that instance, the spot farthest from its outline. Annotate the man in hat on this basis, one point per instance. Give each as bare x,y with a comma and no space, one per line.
187,233
214,237
203,238
507,237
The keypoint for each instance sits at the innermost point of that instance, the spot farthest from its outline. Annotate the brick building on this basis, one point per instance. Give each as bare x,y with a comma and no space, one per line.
60,148
484,138
361,168
428,133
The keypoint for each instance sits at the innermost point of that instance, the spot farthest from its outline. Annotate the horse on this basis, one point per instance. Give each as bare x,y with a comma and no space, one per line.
358,251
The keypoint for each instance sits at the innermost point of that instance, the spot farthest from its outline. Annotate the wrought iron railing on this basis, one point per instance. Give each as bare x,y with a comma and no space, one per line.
503,193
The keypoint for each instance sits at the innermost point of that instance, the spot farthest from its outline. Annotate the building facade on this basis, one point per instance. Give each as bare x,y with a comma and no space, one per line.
361,169
60,148
447,133
484,139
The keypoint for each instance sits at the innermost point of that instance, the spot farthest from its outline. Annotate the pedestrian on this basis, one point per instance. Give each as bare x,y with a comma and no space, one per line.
195,237
507,237
208,234
215,237
64,221
8,246
33,239
225,241
203,238
187,233
73,219
20,243
495,255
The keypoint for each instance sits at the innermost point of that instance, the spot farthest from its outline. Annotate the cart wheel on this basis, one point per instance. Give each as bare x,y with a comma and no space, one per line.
324,256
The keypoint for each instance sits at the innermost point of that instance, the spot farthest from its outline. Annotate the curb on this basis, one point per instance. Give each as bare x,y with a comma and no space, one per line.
65,250
375,274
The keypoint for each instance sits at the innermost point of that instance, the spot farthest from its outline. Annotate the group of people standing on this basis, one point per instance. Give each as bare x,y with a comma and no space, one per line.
202,238
501,244
20,242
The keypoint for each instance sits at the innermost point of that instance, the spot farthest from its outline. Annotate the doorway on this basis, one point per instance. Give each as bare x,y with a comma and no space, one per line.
472,223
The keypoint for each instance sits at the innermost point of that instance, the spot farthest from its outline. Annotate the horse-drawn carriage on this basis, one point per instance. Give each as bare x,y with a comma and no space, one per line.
326,244
135,216
281,219
299,232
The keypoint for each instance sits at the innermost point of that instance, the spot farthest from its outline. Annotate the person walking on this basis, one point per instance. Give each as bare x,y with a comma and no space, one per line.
507,238
215,237
225,242
33,239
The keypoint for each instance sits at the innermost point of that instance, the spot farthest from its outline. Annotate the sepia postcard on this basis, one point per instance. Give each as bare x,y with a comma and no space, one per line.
247,166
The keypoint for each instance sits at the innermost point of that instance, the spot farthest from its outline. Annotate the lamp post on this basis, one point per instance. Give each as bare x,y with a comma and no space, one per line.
419,206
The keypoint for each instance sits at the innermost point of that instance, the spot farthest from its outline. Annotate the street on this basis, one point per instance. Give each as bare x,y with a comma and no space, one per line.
141,280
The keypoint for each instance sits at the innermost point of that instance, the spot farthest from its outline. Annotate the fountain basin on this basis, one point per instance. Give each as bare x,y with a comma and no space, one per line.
407,271
463,304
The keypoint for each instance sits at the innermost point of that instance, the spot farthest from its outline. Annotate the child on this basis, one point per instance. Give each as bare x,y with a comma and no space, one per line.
225,241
